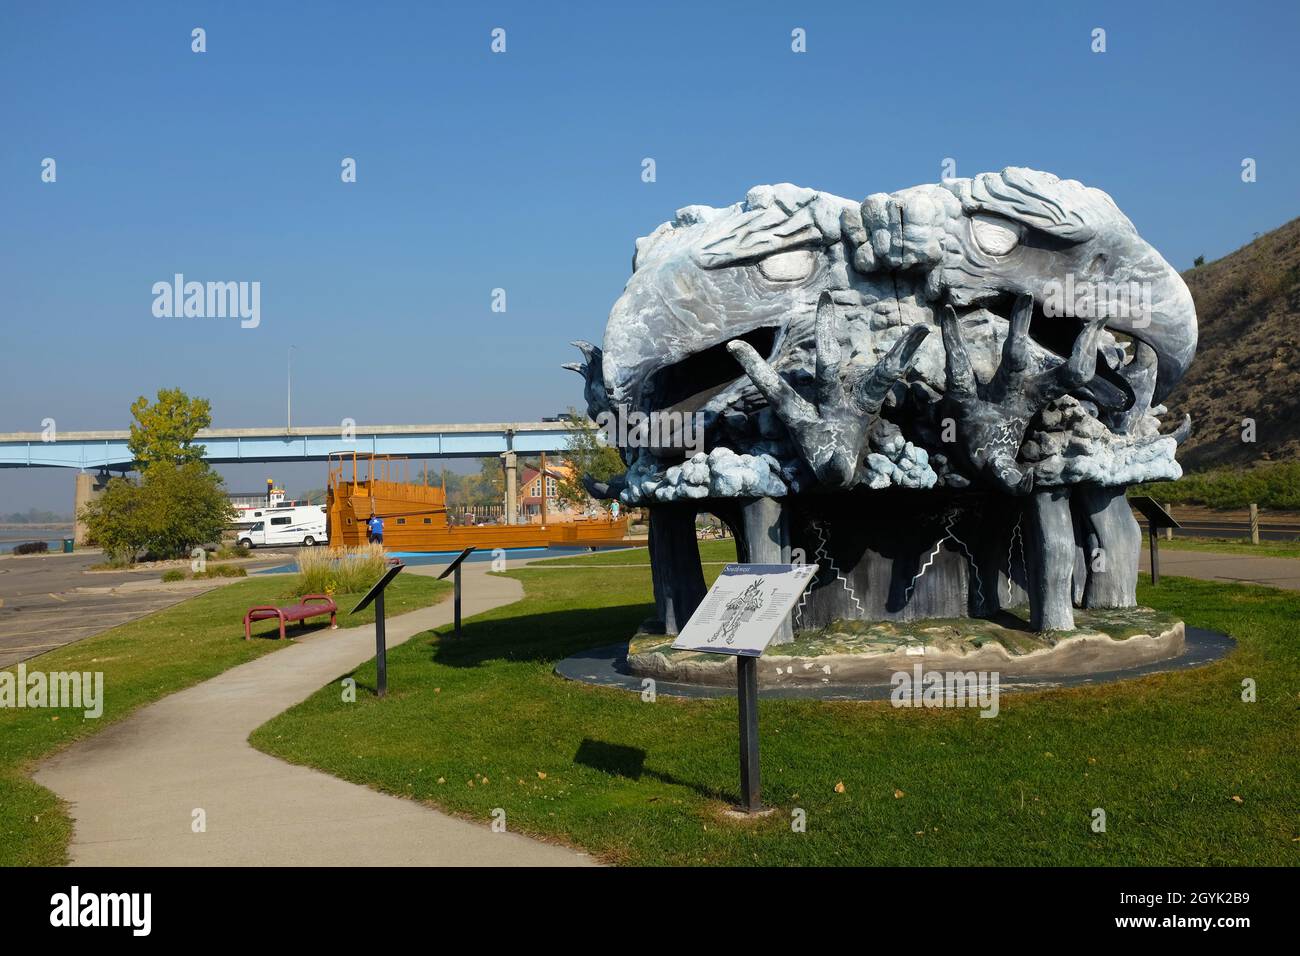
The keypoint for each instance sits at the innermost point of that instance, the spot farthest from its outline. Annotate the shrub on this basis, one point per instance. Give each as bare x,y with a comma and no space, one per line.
339,570
175,574
227,551
32,547
1275,486
187,507
168,512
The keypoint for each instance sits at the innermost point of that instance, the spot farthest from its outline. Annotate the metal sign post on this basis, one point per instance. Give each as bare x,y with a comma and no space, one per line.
454,567
740,615
376,594
751,800
1157,519
381,648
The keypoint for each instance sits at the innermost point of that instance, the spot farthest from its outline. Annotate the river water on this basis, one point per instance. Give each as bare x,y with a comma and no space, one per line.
51,536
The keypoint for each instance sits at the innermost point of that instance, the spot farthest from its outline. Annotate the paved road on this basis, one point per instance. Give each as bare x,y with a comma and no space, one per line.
52,600
1197,528
133,788
1241,568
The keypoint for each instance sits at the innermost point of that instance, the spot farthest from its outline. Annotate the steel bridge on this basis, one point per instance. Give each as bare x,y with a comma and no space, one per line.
107,450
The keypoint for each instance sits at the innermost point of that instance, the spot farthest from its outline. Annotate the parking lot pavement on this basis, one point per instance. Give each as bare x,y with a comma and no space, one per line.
52,600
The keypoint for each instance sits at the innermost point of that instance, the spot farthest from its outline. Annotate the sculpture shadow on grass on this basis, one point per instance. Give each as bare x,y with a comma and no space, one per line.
551,636
620,760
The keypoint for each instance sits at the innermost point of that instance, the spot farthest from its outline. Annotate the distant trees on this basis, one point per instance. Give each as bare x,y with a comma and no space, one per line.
32,516
178,502
1198,262
584,452
489,485
466,492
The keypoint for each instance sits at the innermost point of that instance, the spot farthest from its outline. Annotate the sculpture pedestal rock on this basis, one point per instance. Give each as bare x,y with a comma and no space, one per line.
870,653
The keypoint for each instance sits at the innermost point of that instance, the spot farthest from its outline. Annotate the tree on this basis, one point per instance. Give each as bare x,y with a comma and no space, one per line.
462,490
179,502
490,484
588,455
164,431
1198,262
169,511
117,521
187,507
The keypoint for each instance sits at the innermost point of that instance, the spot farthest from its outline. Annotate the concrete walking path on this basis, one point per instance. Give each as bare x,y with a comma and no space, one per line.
133,788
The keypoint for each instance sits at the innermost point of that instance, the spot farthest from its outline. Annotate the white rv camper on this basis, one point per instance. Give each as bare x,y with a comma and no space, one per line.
305,525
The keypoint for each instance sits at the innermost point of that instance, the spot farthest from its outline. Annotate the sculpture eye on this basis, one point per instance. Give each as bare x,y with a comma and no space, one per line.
788,266
994,235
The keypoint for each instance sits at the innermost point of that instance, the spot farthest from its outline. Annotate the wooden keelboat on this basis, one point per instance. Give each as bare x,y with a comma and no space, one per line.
415,513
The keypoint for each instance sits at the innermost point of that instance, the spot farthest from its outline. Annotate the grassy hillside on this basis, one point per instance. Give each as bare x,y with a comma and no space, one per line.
1248,361
1271,485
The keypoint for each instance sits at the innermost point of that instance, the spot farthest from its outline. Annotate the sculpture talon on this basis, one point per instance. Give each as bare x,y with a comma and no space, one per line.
592,371
831,433
604,490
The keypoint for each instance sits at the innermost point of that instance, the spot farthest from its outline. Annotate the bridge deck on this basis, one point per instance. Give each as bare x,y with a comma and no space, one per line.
108,449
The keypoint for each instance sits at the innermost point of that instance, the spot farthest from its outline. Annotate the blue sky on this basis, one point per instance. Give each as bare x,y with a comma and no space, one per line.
522,171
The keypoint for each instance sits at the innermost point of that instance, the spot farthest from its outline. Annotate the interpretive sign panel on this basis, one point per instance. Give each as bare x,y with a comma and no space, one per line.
744,609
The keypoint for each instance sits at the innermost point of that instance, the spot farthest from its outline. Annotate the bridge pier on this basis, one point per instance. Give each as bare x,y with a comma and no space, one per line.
511,462
89,487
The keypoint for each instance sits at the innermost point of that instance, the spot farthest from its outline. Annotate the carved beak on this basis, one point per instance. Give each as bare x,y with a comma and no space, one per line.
1168,325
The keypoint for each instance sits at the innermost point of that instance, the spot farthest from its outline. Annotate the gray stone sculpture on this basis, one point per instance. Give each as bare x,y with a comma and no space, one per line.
929,475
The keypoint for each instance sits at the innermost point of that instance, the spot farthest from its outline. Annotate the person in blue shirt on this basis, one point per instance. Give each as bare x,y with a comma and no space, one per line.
375,530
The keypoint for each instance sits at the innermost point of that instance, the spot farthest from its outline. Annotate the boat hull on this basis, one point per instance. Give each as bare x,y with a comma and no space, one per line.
415,519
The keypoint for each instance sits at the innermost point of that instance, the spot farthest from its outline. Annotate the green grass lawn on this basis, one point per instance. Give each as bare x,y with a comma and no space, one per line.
637,555
143,661
1265,549
1187,773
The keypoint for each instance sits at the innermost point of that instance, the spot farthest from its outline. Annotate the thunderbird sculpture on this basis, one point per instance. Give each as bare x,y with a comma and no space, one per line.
938,394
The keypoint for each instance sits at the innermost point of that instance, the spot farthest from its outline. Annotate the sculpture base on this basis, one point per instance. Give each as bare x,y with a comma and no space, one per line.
870,652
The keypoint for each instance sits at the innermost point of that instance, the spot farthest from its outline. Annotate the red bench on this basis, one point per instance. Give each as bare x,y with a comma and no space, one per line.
297,612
